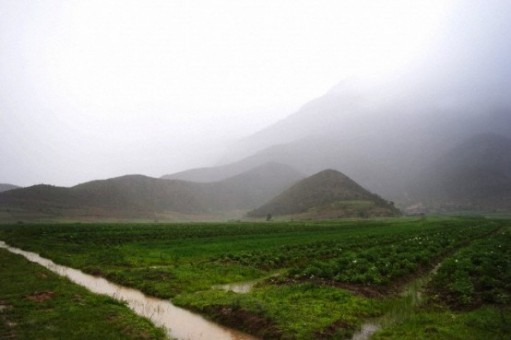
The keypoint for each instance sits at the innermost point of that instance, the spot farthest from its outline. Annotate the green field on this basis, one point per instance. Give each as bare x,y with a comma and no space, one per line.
316,279
38,304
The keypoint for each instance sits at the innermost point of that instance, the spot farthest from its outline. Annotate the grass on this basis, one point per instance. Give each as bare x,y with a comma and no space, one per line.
37,304
467,298
333,275
488,322
302,311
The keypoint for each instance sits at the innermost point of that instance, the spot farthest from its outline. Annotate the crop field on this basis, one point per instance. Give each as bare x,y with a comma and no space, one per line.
312,279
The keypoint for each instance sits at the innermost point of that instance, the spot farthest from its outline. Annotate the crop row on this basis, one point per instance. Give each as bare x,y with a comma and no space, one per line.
297,255
381,265
478,274
366,259
118,234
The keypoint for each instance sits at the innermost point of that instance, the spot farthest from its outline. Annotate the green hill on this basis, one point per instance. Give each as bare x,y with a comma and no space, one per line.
327,194
126,196
137,196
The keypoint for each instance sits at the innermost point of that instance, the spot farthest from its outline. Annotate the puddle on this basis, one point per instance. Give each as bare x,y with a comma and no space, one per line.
243,287
366,331
240,288
4,307
178,322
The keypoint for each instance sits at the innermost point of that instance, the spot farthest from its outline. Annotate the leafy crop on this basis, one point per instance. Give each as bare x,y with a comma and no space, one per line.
480,273
185,261
377,258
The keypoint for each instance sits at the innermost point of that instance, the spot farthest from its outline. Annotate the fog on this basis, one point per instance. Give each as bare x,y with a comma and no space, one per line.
99,89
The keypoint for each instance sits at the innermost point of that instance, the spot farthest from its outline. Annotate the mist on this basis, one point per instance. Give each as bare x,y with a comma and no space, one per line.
106,88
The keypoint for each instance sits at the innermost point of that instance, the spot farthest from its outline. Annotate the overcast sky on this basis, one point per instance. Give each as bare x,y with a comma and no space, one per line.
96,89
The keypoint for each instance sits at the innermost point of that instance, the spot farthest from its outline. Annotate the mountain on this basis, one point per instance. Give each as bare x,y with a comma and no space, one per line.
383,136
128,196
474,175
251,188
327,194
211,174
137,196
6,187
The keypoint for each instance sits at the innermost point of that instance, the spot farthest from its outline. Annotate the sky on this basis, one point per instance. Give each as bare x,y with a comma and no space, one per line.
100,88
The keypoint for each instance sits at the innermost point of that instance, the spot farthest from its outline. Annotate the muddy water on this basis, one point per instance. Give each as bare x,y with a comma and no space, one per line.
243,287
366,331
240,288
179,323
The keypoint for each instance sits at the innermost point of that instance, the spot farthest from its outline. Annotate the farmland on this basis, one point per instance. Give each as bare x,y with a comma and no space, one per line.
38,304
314,279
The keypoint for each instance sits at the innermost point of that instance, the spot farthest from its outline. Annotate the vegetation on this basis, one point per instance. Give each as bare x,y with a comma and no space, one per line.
381,264
430,322
37,304
327,194
315,279
468,298
479,274
142,197
302,310
6,187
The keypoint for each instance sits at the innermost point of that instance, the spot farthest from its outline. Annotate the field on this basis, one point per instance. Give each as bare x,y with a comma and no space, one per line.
312,279
38,304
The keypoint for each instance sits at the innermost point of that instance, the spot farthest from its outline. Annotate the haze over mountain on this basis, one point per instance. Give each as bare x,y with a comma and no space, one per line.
137,196
474,175
175,88
5,187
382,144
181,86
327,194
384,132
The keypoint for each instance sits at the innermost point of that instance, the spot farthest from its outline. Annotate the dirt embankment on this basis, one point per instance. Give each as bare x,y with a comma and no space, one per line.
244,320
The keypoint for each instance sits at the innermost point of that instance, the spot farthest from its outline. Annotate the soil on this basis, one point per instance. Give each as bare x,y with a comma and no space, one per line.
335,330
245,320
41,296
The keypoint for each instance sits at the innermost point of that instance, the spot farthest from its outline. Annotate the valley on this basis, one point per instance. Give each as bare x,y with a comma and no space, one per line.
213,170
311,279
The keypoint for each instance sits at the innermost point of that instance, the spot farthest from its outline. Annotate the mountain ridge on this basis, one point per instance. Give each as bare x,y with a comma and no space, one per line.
143,196
382,136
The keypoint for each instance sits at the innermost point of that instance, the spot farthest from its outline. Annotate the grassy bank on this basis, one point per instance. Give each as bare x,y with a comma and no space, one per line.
37,304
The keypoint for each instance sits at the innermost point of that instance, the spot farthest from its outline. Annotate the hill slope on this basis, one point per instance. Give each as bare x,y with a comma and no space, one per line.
380,136
137,196
131,196
326,194
250,189
6,187
474,175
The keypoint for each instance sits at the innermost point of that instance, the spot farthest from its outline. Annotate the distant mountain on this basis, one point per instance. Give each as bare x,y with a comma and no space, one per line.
137,196
475,175
381,135
212,174
129,196
251,188
327,194
6,187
